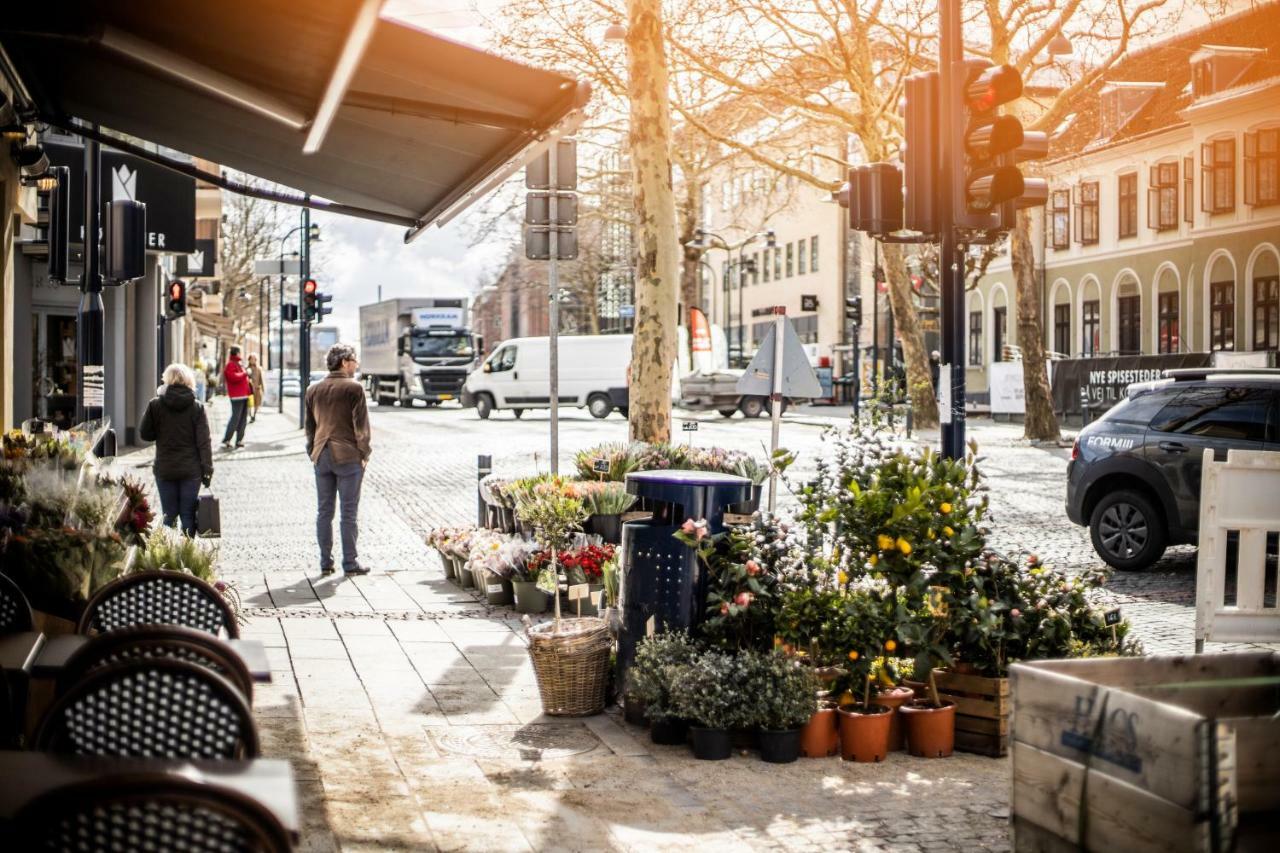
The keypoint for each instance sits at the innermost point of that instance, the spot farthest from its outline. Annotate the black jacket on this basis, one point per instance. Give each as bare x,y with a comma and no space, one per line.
179,427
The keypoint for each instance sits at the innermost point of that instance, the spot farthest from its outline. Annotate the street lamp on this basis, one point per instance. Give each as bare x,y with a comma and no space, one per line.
615,32
1060,45
700,241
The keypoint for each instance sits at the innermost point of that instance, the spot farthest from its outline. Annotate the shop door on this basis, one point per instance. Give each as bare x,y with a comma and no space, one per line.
55,370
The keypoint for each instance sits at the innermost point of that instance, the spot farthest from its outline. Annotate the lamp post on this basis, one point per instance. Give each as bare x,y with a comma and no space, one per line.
700,241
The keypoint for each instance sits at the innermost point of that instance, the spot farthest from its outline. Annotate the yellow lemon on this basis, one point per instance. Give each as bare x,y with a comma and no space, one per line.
885,542
932,535
873,560
847,698
843,577
904,546
944,507
853,655
890,645
948,531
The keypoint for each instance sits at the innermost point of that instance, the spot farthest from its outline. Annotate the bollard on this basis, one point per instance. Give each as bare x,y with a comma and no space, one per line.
484,467
1084,407
909,416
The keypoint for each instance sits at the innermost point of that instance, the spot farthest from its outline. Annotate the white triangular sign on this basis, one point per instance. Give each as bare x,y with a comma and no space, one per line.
798,378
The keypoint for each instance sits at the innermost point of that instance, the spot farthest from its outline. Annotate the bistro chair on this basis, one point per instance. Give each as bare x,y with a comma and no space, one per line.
126,812
159,598
143,642
151,708
15,610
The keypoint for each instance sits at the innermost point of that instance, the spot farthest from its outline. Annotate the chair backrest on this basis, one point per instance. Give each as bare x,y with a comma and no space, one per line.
15,610
128,812
159,598
151,708
143,642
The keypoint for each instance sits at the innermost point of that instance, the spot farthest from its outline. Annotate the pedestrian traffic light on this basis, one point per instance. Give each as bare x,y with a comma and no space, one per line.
289,313
309,292
853,310
920,154
875,198
177,298
987,183
322,305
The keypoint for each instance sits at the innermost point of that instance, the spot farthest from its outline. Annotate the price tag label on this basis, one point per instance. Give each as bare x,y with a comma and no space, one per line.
579,590
600,466
493,588
649,627
1111,617
596,598
734,518
689,426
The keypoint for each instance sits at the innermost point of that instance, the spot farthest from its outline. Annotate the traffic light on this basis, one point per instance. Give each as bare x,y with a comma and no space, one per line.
177,298
289,313
853,310
987,184
875,198
322,305
309,293
920,157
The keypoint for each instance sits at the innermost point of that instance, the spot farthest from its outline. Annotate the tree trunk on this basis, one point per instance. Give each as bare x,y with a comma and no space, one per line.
657,268
690,269
907,325
1040,422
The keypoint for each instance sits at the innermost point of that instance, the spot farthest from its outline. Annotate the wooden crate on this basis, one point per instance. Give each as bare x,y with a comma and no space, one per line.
1162,753
982,711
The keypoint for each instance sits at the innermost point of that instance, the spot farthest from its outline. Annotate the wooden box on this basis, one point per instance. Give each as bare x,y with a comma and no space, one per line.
1167,753
982,711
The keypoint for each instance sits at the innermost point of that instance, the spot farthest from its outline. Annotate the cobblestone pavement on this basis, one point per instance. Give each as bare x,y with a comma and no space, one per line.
411,713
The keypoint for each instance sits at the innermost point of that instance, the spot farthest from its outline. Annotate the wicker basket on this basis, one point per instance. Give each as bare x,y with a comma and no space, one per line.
572,666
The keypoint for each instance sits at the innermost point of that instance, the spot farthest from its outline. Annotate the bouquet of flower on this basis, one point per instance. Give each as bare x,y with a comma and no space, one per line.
586,564
605,498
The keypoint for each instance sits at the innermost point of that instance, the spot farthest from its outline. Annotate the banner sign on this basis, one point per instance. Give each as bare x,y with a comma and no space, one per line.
1104,380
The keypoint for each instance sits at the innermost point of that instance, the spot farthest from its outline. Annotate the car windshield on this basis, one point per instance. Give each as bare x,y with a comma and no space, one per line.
448,345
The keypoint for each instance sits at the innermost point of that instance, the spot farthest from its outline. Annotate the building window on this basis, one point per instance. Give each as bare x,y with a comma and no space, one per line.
813,253
1061,208
1062,330
999,328
1167,316
1162,197
766,264
1222,315
1129,309
1188,189
1262,167
1129,205
1087,214
1218,176
975,338
777,263
791,259
806,328
800,258
1091,326
1266,313
755,267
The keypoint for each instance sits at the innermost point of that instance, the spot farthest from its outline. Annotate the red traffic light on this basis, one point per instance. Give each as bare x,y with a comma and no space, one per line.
991,87
177,289
309,286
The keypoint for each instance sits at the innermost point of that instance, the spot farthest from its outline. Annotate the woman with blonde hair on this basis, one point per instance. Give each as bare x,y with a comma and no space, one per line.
176,421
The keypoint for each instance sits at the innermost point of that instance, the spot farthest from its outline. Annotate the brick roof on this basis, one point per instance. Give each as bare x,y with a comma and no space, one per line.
1169,62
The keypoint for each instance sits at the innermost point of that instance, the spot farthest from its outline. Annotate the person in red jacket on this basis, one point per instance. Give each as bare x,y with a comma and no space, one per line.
236,380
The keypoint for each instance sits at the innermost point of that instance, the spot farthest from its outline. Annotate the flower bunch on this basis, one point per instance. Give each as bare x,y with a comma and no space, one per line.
500,554
604,498
586,564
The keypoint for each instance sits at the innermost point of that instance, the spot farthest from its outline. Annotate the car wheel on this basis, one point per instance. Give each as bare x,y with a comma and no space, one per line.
727,413
517,413
484,406
1127,530
751,407
599,405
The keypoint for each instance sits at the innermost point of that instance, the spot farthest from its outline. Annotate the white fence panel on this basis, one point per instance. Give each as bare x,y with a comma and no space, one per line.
1241,494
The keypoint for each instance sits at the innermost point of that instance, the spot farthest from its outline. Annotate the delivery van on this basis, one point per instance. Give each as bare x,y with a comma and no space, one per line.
517,376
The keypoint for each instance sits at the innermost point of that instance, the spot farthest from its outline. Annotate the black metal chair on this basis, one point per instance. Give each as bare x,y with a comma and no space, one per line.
15,610
143,642
151,708
129,812
159,598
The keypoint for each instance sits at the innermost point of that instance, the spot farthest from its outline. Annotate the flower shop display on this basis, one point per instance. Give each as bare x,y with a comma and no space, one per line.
659,660
493,559
606,501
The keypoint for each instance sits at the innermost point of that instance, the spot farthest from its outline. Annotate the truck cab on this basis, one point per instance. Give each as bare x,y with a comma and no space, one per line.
416,349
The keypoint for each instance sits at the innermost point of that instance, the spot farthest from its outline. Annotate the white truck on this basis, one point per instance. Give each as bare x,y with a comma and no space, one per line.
416,349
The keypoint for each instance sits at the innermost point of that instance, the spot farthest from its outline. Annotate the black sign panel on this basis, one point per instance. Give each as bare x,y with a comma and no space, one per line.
170,197
1104,380
199,264
808,302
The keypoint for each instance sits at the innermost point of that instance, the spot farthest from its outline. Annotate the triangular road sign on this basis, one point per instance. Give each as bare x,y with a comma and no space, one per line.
798,379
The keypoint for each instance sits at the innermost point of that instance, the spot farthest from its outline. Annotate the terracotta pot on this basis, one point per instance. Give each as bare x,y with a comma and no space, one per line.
920,688
931,732
894,699
820,737
865,737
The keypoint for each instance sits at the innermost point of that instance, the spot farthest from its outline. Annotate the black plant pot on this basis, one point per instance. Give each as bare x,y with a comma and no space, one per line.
670,732
711,744
633,711
507,519
607,527
780,747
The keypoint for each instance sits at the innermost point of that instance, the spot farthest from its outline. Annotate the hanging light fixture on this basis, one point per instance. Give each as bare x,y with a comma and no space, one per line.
1060,45
615,32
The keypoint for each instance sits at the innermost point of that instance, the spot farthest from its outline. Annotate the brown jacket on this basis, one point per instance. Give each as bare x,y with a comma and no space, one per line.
338,418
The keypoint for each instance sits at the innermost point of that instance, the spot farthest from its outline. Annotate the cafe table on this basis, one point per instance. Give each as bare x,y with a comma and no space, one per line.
54,653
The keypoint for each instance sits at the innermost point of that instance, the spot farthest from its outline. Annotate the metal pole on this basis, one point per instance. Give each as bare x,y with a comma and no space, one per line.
742,321
280,341
855,389
780,317
875,318
304,328
951,411
90,324
261,325
553,309
484,467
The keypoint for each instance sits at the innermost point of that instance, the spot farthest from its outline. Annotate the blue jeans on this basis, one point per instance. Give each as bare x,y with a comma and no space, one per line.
236,423
334,481
178,498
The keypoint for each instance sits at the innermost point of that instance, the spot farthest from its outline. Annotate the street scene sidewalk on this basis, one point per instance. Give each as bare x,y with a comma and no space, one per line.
410,711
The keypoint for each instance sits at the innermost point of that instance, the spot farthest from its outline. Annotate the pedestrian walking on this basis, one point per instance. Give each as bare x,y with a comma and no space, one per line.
176,421
337,424
236,381
257,385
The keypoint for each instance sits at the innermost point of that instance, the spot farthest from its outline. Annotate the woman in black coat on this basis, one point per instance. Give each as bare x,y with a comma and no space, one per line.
177,423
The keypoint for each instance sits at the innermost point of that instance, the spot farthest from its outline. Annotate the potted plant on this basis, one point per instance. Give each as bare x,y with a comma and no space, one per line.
782,701
529,595
660,659
585,565
606,501
459,546
612,577
706,692
890,693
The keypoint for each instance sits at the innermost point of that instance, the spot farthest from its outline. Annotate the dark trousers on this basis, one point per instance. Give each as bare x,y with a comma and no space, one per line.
178,499
334,482
236,423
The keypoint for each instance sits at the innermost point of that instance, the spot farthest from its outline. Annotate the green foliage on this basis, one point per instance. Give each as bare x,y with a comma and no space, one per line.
836,627
168,549
709,691
553,509
659,660
780,692
607,498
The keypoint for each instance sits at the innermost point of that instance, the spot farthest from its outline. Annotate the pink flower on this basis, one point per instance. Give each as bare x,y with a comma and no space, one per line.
753,568
220,586
743,599
724,609
688,526
1015,613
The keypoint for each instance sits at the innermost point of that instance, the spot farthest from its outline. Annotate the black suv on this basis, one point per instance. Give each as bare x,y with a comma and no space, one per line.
1134,476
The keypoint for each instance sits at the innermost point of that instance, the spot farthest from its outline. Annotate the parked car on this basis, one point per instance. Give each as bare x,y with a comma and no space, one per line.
292,385
1134,476
593,373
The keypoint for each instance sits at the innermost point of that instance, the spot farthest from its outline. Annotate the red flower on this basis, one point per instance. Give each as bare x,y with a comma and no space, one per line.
743,599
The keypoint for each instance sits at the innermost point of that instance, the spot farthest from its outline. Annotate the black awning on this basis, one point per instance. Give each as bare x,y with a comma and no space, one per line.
419,124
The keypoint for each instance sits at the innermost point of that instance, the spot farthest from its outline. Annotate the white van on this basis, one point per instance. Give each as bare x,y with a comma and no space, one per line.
517,376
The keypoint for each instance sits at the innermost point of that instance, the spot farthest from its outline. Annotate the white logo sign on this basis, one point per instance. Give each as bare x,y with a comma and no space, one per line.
124,184
195,260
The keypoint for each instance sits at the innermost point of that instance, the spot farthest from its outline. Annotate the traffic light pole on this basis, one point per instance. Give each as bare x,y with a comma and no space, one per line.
951,408
304,328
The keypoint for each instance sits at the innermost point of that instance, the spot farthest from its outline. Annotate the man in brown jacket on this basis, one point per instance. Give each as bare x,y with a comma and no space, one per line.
338,444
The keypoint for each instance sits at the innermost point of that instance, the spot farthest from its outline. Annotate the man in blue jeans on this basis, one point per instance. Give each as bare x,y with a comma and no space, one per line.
337,425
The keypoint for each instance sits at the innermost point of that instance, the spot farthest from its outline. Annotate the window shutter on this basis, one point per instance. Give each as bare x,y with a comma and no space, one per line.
1153,177
1079,232
1206,177
1188,189
1251,168
1153,208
